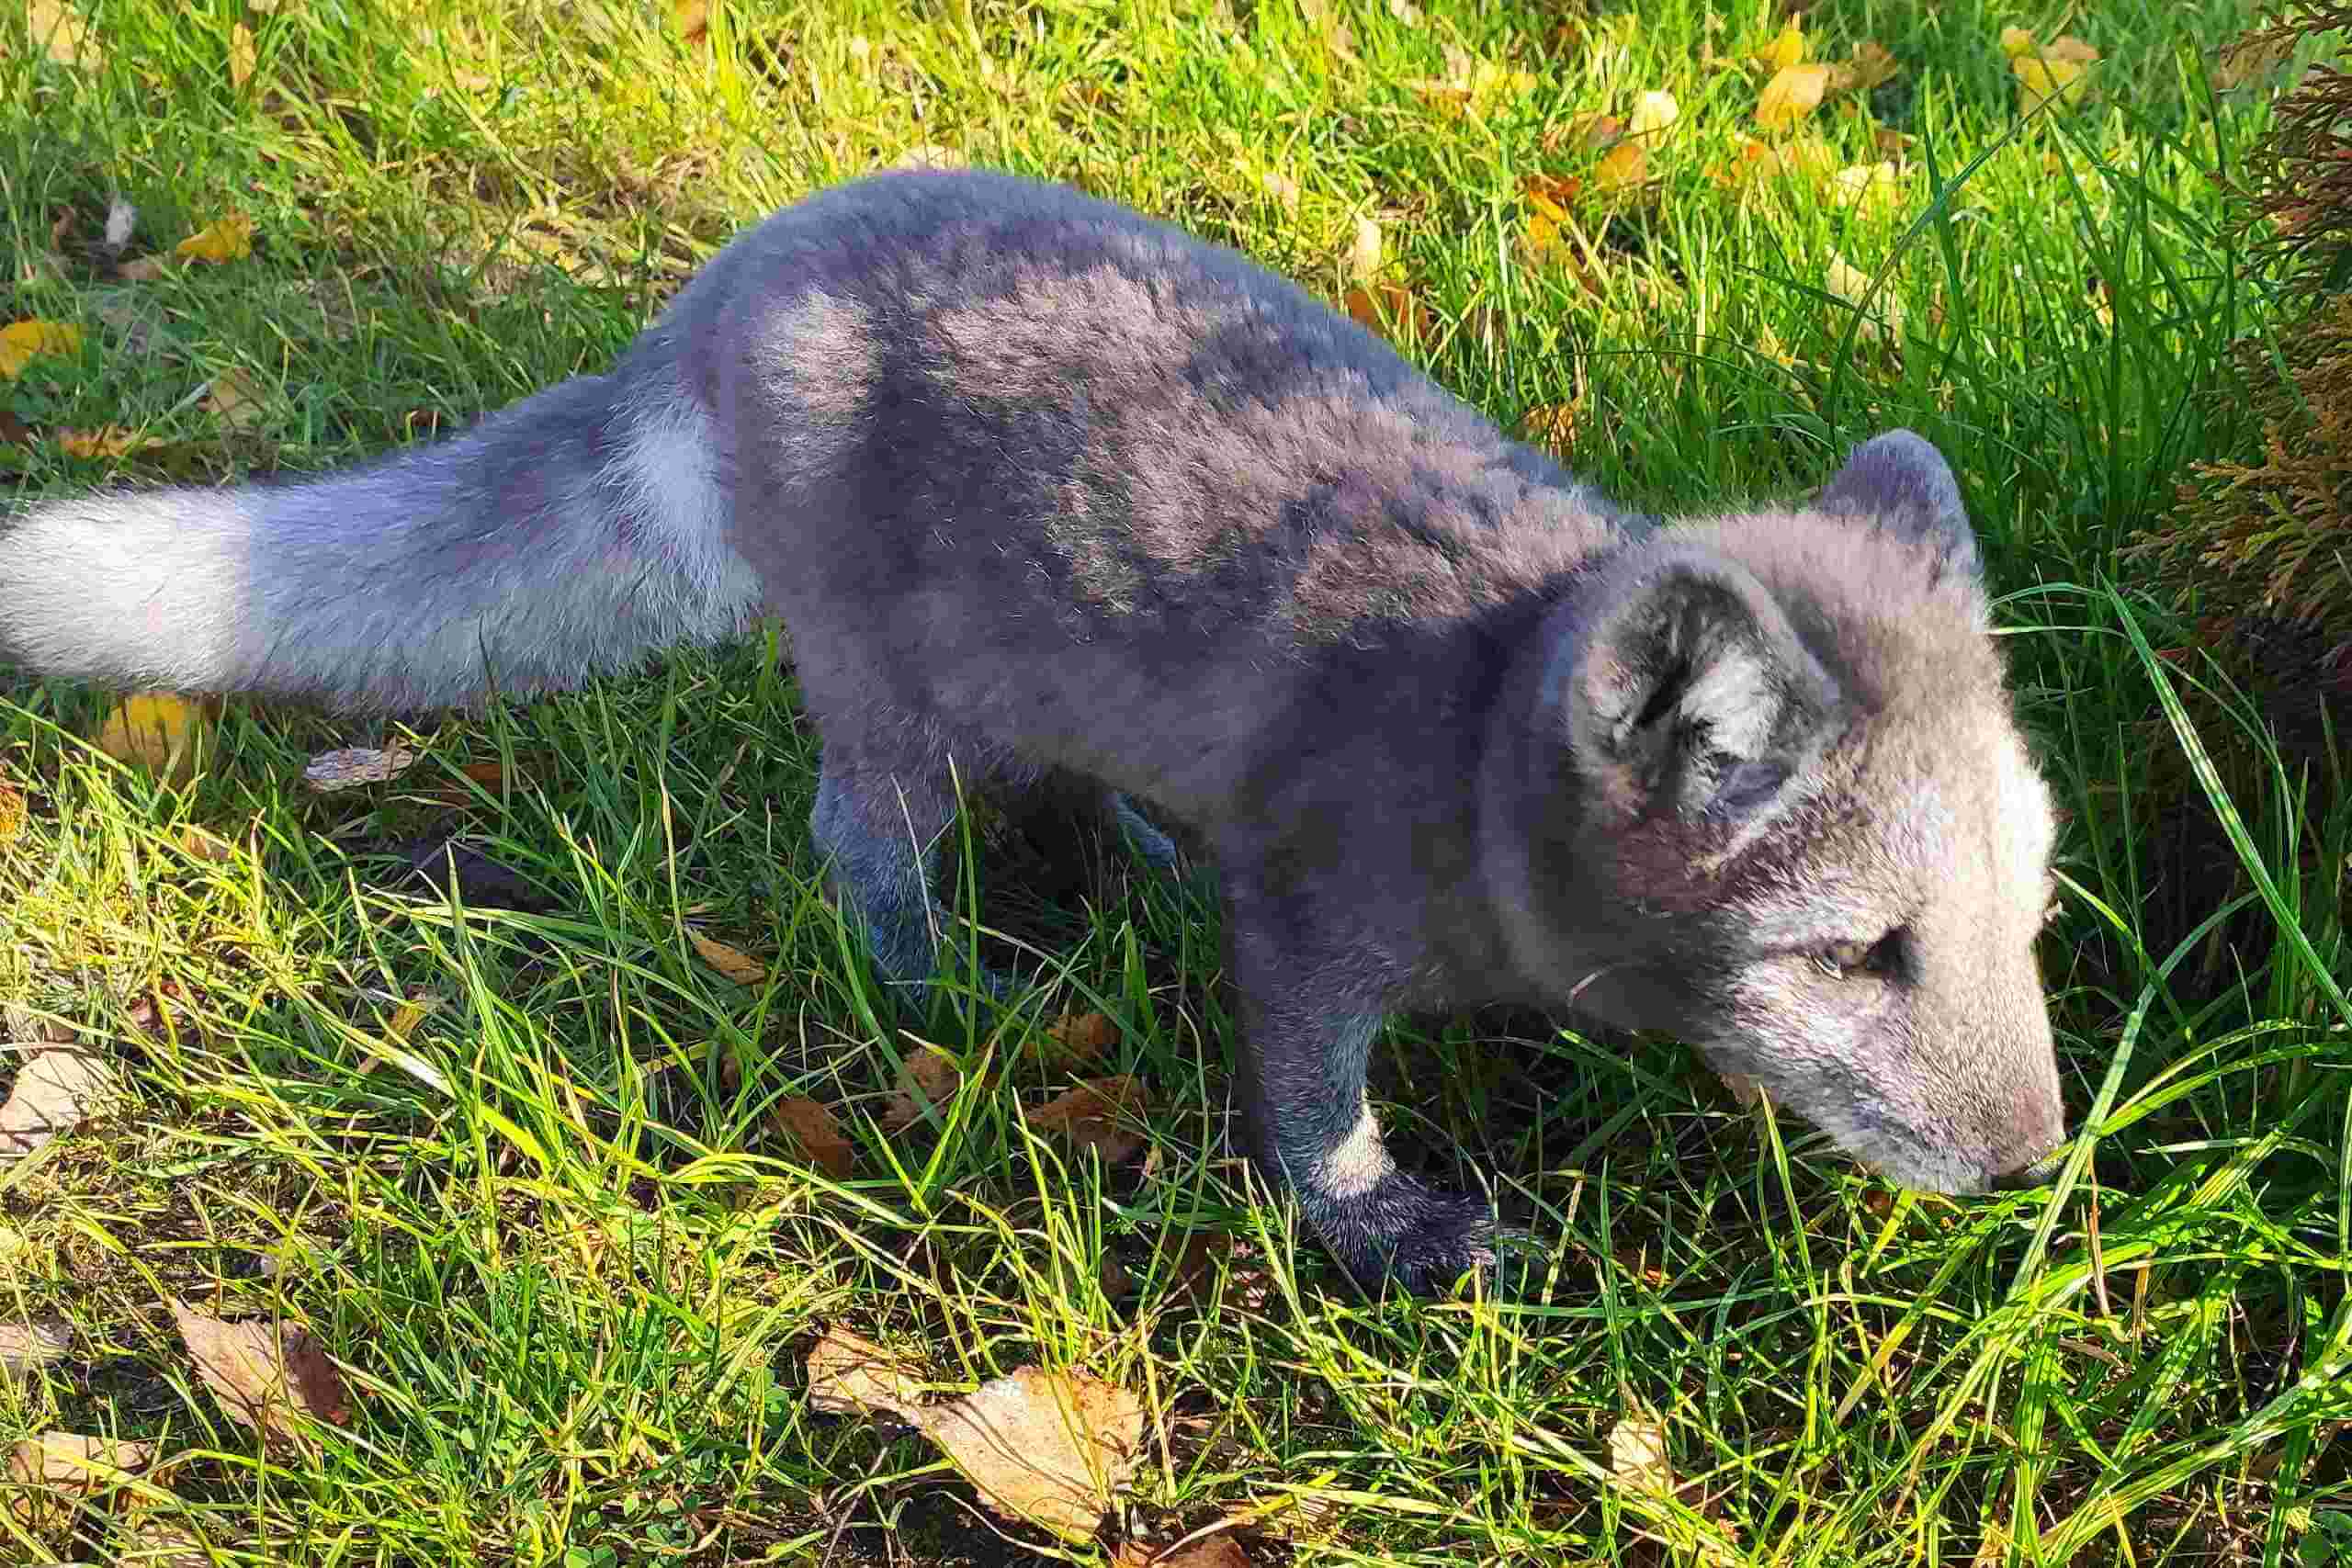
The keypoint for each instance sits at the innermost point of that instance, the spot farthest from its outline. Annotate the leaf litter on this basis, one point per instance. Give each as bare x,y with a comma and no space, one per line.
266,1376
57,1089
1052,1449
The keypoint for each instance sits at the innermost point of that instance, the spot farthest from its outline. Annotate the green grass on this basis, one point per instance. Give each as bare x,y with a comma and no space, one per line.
571,1269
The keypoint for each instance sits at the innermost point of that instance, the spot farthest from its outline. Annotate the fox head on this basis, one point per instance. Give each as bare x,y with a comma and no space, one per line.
1797,779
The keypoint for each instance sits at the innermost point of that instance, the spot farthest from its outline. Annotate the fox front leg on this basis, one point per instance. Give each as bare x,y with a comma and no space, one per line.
1304,1052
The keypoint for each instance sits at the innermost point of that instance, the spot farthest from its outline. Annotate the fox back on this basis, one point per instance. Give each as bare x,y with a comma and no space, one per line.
1041,487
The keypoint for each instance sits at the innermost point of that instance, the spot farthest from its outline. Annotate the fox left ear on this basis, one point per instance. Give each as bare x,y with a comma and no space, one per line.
1900,482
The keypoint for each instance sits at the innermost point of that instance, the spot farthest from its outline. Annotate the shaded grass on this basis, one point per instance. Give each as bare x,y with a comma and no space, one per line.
568,1261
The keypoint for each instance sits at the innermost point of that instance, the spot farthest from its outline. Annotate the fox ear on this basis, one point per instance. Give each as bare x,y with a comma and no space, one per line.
1900,482
1691,695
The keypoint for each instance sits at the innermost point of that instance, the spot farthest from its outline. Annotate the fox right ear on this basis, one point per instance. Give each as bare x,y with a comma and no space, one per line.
1689,694
1900,482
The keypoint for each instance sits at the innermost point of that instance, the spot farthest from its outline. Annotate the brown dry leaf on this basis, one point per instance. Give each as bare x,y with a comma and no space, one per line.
1872,66
69,1464
227,240
732,961
21,341
851,1375
1553,427
263,1374
811,1128
142,269
56,1090
1389,309
203,844
26,1345
1078,1037
107,441
2251,58
63,32
1638,1459
926,1079
1050,1448
1099,1115
692,17
1219,1551
1743,1089
1794,93
408,1015
236,398
12,812
332,771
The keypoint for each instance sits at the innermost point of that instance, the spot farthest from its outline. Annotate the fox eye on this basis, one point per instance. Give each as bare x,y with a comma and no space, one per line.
1843,960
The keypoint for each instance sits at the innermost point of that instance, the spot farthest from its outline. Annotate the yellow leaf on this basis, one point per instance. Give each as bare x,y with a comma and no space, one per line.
1872,187
1389,309
107,441
20,341
1623,168
1554,425
155,730
1786,50
2016,42
1852,284
2055,72
65,33
231,239
407,1016
235,399
1364,254
1794,93
1653,112
241,54
1638,1459
737,965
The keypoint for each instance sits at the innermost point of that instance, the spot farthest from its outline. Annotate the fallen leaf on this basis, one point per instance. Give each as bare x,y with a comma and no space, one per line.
26,1345
851,1375
810,1127
1743,1089
1097,1114
2251,58
264,1375
235,399
347,769
733,962
1638,1459
1794,93
1786,50
12,812
692,17
230,239
1852,284
1653,112
200,843
408,1015
1075,1037
927,156
1872,66
926,1079
67,1464
241,54
1553,427
21,341
142,269
1868,187
1219,1551
63,32
1364,254
1390,310
107,441
2015,42
157,730
162,1543
1471,83
56,1090
2056,72
1050,1448
1623,168
1280,188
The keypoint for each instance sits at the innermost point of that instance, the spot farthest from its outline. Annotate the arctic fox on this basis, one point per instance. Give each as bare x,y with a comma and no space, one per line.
1040,487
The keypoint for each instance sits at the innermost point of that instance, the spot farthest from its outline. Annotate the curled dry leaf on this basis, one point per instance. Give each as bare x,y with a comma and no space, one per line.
230,239
21,341
27,1345
1075,1037
265,1375
1365,256
1390,310
927,1078
332,771
1220,1550
811,1128
1097,1114
203,844
733,962
1050,1448
56,1090
66,1464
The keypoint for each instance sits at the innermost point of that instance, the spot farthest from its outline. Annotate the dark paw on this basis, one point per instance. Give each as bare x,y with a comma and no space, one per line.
1409,1236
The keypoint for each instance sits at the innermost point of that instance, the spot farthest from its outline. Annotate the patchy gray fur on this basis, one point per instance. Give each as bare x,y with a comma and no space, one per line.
1041,488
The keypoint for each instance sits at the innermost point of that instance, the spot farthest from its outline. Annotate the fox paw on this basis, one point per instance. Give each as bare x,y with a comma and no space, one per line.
1407,1236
